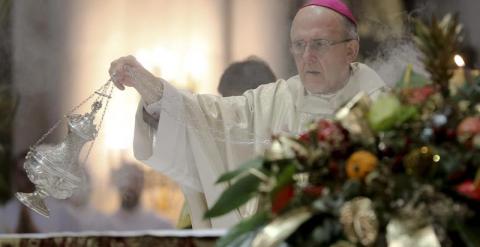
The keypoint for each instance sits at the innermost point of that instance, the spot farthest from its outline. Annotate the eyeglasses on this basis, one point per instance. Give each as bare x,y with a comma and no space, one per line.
318,46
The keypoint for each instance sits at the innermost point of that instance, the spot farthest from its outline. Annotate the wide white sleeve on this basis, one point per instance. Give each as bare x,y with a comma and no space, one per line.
194,135
165,149
199,137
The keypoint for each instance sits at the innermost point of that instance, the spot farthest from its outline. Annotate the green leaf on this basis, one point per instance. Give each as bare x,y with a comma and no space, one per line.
383,113
285,177
244,240
255,163
245,226
235,196
470,236
388,112
282,227
406,113
351,189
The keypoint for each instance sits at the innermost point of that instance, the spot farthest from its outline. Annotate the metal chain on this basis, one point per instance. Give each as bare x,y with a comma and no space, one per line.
108,96
69,112
219,135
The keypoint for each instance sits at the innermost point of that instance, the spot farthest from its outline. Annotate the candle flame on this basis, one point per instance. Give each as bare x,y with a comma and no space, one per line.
459,60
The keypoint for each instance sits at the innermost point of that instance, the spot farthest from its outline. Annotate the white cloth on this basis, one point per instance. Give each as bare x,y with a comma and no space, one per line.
60,219
189,144
136,220
90,219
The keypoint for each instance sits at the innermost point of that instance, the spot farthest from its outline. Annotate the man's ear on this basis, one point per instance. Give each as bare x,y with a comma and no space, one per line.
352,50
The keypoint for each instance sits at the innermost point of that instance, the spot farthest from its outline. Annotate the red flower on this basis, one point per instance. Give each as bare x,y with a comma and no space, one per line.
315,191
331,133
282,198
451,134
419,95
468,189
305,137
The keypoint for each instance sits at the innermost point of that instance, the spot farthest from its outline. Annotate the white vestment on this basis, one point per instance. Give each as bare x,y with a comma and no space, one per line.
199,137
137,219
60,219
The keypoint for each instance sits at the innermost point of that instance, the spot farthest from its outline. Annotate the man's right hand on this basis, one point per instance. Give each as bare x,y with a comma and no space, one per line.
128,72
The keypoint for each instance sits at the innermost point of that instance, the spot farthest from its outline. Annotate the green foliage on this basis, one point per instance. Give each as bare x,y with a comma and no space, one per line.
439,42
233,236
235,195
411,175
388,112
253,164
469,235
285,177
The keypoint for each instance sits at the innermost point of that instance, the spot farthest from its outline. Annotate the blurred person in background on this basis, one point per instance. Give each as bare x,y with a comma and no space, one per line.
132,215
86,215
241,76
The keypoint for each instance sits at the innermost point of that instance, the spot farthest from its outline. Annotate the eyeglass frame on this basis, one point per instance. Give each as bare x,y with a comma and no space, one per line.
318,49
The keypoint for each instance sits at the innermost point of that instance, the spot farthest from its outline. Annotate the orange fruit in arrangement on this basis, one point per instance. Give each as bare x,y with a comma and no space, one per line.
360,163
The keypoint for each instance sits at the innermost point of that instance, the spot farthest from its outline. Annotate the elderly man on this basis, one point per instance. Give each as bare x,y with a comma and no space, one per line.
195,138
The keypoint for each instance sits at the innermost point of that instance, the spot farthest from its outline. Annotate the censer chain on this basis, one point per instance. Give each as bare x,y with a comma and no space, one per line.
97,92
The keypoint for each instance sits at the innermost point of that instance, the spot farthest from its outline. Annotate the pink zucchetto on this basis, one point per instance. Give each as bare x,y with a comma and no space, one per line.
335,5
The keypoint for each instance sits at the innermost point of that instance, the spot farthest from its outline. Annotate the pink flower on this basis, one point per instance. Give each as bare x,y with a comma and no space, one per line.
468,189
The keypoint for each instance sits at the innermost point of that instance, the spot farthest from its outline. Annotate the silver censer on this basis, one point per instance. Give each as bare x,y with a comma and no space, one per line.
55,170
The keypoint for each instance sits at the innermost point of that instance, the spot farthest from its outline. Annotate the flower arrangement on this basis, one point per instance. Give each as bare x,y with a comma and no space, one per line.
399,171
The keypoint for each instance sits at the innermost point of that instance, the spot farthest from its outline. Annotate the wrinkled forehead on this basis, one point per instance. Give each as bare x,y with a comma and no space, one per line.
317,22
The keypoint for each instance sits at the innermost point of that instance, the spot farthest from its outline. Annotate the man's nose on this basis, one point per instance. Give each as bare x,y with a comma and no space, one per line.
309,55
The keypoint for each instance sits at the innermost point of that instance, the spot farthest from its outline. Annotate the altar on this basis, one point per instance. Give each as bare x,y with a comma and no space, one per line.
190,238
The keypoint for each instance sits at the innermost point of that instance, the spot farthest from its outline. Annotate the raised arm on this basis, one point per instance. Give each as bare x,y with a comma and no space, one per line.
128,72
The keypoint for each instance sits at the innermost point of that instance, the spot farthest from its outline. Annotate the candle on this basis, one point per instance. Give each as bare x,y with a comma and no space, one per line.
458,78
